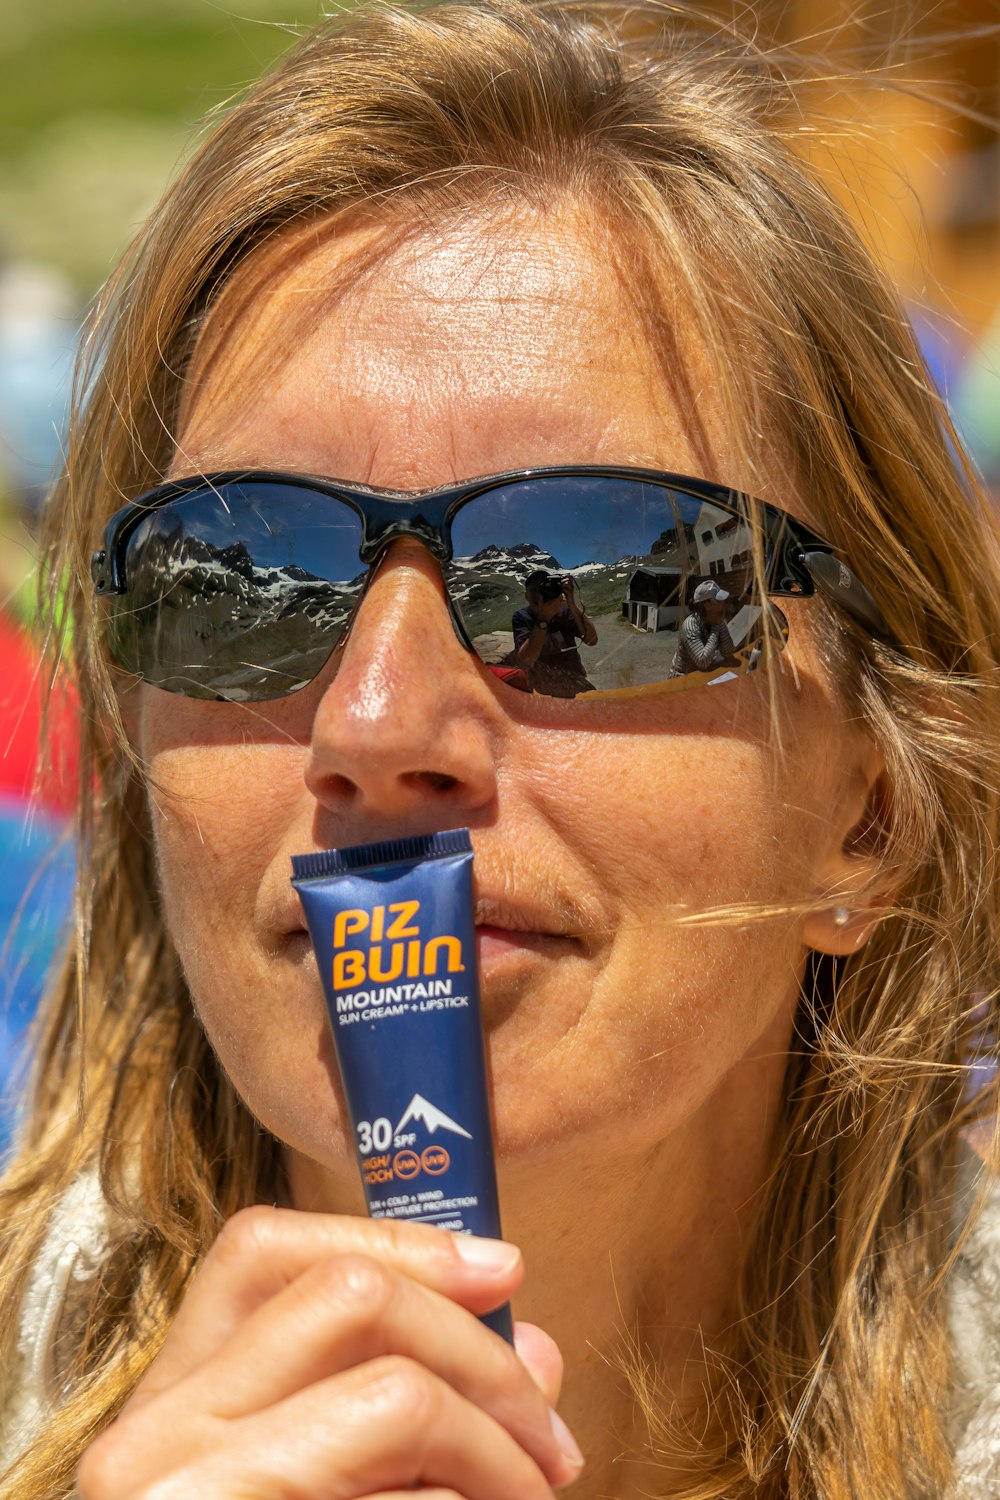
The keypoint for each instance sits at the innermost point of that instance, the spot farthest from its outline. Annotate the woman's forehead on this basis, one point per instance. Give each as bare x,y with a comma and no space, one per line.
405,356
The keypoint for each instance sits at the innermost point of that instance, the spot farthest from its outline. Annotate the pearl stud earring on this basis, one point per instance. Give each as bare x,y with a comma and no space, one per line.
841,916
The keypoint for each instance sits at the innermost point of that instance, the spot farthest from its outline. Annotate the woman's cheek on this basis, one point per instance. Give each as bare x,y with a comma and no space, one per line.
216,829
217,816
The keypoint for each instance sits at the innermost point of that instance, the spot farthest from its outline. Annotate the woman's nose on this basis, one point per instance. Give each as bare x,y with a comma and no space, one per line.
408,719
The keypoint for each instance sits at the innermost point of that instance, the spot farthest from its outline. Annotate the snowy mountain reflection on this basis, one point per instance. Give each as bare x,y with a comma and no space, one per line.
221,614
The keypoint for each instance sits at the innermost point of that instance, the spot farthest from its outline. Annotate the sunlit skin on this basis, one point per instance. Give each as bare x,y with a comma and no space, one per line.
637,1062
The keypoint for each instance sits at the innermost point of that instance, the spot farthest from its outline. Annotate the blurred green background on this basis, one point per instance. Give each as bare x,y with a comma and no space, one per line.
100,99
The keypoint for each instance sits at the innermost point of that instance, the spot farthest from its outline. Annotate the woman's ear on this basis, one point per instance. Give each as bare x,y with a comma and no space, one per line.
850,899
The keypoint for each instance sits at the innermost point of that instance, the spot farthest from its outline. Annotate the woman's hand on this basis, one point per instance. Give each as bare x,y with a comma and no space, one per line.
325,1358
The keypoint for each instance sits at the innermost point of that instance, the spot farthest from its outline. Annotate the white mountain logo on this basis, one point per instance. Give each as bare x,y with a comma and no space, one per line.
435,1119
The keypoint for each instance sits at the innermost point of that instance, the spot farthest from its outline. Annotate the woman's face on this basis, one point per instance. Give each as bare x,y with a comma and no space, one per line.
611,1028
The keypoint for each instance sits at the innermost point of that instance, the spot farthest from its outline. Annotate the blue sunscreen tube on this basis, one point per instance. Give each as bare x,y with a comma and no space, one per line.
393,930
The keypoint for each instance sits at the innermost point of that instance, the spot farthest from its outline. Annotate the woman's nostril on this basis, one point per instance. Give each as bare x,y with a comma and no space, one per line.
438,781
343,786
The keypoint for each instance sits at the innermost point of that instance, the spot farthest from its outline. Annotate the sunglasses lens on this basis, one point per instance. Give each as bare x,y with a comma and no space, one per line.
665,577
238,592
566,585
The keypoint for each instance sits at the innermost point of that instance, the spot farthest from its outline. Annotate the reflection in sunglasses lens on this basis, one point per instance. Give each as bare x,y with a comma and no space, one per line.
597,586
566,586
238,594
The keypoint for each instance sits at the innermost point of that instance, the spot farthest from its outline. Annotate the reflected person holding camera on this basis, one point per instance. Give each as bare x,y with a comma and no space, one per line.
546,633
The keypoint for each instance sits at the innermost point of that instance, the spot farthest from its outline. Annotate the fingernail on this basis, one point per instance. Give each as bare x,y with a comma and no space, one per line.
493,1256
566,1441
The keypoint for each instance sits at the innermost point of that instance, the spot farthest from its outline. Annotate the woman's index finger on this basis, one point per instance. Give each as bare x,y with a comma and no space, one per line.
261,1250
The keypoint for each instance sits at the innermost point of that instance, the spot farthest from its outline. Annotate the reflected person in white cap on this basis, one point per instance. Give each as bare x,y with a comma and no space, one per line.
704,641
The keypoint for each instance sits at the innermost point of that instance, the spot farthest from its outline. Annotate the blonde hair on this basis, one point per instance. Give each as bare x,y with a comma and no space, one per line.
836,1375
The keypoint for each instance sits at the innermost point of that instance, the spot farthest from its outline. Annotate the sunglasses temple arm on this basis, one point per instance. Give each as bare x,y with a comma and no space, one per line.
835,579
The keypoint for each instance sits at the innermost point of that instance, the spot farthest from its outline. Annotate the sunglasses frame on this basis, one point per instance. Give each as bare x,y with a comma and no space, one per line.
802,562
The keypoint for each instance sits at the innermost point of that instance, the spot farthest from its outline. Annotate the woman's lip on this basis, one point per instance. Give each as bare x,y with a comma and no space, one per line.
511,918
492,941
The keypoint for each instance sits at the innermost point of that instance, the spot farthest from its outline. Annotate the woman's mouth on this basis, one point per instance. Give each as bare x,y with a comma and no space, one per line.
509,938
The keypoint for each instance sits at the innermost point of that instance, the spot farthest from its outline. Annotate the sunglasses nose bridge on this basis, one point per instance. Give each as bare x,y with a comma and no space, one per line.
385,521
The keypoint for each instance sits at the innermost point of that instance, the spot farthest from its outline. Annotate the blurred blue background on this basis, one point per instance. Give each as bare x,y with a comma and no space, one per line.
36,887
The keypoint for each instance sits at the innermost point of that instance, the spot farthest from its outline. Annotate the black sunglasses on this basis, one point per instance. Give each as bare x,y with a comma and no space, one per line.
569,581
